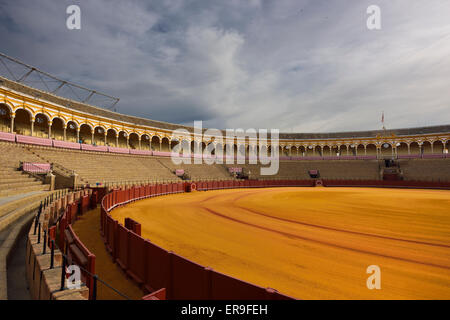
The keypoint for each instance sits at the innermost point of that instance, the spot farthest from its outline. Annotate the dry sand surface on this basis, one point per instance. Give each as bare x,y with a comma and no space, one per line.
310,243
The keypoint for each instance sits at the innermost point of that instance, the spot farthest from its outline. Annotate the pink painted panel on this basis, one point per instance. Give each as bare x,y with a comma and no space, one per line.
5,136
162,153
118,150
141,152
34,140
89,147
66,144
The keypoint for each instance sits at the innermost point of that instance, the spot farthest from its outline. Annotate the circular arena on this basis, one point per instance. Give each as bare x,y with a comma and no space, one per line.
93,206
310,243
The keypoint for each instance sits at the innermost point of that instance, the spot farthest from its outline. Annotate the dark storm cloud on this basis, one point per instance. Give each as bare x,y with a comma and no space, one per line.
294,65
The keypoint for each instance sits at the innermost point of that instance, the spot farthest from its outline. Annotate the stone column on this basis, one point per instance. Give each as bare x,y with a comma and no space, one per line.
65,135
50,129
32,126
117,140
13,115
78,134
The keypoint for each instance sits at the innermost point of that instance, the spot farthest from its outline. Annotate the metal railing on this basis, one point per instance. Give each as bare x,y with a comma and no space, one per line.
65,258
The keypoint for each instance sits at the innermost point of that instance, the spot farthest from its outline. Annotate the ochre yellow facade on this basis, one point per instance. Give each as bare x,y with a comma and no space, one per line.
28,115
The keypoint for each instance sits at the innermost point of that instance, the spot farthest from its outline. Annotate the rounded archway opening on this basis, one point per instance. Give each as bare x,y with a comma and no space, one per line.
156,143
58,129
134,141
71,132
145,142
111,138
86,134
41,126
123,140
5,118
22,122
165,144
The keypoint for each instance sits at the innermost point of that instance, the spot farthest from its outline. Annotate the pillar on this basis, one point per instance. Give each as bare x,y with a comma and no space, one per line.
117,140
13,115
32,126
365,150
78,134
50,129
64,131
409,148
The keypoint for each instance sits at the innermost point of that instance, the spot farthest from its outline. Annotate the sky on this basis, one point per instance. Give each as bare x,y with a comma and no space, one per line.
296,66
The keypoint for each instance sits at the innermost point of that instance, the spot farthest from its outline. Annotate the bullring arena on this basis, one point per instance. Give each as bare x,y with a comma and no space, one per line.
92,188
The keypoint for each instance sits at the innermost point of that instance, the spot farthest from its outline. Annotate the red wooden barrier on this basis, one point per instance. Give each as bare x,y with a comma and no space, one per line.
122,246
136,258
189,280
158,262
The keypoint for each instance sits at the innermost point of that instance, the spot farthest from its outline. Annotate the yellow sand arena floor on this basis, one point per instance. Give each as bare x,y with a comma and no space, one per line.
310,243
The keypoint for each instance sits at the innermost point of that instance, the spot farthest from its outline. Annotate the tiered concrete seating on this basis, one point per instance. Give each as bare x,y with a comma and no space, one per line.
97,167
13,181
425,169
200,171
338,169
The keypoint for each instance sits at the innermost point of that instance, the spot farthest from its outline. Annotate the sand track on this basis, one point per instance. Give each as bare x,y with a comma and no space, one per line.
310,242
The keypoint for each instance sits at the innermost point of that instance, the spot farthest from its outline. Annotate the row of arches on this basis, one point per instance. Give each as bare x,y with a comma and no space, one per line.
385,149
41,125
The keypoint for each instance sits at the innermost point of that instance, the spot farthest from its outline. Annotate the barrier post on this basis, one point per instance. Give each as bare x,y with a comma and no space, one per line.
94,288
45,242
63,273
52,255
39,233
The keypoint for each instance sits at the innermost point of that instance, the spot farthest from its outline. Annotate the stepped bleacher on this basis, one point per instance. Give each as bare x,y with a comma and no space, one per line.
199,171
97,167
13,181
331,169
425,169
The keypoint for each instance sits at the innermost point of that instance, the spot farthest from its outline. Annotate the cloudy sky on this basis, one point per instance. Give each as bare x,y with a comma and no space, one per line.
300,66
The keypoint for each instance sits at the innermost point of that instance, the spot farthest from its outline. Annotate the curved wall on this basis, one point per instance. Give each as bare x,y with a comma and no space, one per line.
29,111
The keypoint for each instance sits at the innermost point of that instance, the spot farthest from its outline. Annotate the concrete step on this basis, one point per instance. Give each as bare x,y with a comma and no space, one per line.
19,184
11,179
26,189
15,203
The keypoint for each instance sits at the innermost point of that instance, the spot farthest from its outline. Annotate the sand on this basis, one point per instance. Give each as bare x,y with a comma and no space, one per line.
310,243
